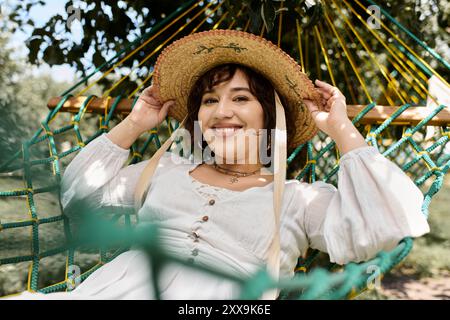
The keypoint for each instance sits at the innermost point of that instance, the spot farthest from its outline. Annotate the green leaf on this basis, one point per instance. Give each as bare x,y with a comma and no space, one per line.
34,46
40,32
98,58
53,55
13,16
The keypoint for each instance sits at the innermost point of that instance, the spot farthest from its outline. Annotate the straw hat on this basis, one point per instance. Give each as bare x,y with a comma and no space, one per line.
181,63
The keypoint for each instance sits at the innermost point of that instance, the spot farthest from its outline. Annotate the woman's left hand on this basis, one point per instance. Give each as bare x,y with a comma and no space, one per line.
334,113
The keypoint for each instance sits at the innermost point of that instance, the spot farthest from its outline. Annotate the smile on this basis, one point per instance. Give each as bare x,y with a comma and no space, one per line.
226,132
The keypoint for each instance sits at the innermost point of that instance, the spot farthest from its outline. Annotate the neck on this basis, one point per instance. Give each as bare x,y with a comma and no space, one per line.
241,167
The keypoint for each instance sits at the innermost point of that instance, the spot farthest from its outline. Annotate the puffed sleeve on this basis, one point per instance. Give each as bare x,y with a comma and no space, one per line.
375,206
97,175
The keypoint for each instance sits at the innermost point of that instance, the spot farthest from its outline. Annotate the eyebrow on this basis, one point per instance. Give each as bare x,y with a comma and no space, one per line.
232,90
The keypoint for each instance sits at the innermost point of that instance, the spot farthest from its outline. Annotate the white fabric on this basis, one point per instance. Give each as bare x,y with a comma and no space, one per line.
374,207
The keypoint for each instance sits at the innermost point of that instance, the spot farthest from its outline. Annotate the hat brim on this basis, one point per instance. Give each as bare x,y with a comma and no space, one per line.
182,63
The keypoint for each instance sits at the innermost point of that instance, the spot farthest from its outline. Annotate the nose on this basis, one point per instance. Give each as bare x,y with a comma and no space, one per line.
223,110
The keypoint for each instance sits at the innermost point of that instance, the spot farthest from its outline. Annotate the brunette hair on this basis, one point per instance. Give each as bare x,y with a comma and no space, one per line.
260,87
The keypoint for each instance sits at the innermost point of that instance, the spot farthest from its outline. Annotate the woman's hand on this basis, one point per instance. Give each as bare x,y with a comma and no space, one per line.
333,120
334,112
149,111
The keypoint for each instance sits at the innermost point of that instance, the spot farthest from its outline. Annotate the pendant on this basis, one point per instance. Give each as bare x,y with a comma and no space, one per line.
234,180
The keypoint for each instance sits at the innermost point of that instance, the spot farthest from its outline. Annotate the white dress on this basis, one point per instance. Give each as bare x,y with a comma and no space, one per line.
373,208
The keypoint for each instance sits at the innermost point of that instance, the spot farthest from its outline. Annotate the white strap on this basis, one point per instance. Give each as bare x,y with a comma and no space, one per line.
280,158
146,177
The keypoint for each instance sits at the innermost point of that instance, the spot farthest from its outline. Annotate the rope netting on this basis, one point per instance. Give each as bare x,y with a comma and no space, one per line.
40,237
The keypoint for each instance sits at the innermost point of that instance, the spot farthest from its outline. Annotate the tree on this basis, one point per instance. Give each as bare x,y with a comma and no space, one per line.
23,100
54,44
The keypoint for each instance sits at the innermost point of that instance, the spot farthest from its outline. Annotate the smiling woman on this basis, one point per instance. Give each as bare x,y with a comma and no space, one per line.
233,100
241,225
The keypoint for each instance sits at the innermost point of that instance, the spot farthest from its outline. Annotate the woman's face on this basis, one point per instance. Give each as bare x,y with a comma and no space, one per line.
230,117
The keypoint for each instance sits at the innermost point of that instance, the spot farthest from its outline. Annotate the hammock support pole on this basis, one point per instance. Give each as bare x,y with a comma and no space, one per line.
377,115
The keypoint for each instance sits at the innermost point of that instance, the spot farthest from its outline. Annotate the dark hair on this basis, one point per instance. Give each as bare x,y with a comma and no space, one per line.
260,87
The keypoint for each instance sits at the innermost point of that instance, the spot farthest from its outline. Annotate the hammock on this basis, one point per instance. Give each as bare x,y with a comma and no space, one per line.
411,129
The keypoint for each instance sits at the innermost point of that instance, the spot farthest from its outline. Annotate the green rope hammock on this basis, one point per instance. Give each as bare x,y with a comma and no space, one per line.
50,249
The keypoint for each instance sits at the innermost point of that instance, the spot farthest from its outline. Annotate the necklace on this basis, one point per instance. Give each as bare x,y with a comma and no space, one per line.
234,174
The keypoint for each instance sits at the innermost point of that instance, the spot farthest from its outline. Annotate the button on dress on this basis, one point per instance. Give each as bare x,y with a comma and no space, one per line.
375,206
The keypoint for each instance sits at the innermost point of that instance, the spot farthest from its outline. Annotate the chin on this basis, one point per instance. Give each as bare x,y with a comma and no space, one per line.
230,156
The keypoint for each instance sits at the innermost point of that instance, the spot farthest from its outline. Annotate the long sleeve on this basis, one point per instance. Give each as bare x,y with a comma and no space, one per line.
97,176
375,206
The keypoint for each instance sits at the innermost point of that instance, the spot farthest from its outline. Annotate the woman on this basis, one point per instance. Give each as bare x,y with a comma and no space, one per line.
220,212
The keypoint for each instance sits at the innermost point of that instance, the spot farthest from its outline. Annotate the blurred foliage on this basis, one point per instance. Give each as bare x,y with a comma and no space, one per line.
267,11
23,96
55,44
23,99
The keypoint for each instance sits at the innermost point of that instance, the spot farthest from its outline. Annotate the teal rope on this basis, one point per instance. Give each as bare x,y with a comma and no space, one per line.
412,36
411,57
35,225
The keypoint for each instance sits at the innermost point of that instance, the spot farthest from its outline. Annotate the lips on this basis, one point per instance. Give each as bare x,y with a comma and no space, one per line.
226,131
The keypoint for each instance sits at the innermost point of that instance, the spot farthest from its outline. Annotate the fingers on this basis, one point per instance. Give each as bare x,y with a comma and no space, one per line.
330,94
165,109
152,92
325,94
328,88
318,115
150,95
311,107
148,99
150,89
324,85
339,100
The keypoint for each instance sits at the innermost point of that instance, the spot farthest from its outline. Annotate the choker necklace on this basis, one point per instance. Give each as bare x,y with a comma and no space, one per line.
234,174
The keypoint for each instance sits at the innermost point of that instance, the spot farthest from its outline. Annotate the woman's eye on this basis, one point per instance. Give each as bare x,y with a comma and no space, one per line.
207,101
242,98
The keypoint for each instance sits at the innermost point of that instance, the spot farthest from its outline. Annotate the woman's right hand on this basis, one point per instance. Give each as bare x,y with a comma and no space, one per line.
149,111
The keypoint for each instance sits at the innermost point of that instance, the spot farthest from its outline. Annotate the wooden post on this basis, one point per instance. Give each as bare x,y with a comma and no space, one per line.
377,115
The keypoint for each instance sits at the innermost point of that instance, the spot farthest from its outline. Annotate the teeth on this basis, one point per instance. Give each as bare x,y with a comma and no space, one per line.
225,131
